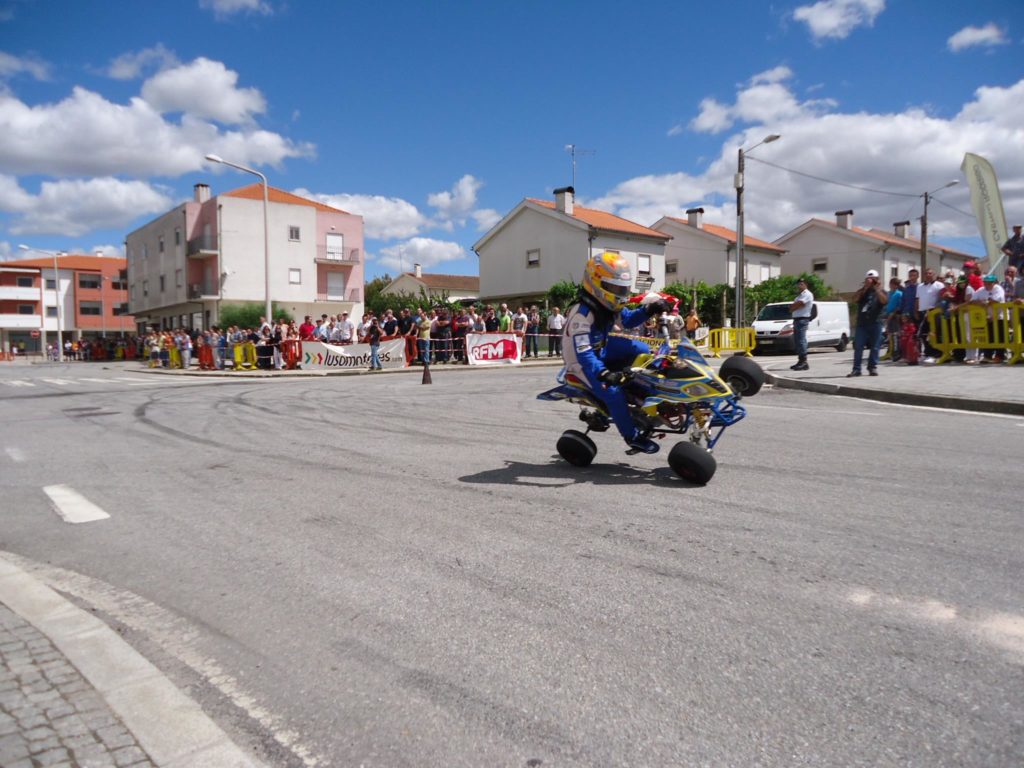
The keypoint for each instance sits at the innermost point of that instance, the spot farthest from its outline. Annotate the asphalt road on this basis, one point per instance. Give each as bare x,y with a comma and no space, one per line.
371,571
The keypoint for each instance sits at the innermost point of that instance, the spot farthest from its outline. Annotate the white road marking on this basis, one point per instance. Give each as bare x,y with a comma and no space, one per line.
126,380
97,381
15,454
59,382
73,506
749,405
19,383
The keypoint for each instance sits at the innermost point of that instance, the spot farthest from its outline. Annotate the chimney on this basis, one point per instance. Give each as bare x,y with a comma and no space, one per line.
564,200
901,229
98,252
844,219
201,192
417,270
695,217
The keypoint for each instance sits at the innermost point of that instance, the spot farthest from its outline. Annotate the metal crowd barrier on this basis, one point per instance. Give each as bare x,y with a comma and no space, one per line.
997,327
731,340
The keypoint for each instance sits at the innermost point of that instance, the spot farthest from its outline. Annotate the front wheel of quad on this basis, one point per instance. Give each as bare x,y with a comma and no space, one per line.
692,462
743,376
576,448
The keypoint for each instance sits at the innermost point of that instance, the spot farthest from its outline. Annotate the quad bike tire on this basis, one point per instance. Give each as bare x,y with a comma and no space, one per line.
692,462
743,376
576,448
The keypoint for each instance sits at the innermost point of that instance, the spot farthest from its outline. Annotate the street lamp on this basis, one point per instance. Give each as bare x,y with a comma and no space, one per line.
924,222
56,291
266,229
741,266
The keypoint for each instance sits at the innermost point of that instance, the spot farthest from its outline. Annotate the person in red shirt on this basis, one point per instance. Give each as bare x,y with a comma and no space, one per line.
306,329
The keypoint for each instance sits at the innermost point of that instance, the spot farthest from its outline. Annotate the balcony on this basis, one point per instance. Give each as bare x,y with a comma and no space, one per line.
343,256
353,295
20,322
16,293
202,246
200,291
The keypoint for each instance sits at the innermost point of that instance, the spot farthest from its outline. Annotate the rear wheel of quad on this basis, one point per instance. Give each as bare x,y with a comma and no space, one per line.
693,463
576,448
743,376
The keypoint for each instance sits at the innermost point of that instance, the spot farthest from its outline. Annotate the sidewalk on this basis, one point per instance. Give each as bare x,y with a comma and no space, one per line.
73,693
993,388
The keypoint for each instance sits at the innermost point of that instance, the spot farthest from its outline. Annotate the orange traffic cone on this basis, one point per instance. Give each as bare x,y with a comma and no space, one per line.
426,374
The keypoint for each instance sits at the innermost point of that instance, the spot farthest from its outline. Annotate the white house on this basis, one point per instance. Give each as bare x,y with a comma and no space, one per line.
420,283
540,243
841,253
209,251
706,252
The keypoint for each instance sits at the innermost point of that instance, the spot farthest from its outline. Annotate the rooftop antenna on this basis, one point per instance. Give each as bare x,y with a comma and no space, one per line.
572,150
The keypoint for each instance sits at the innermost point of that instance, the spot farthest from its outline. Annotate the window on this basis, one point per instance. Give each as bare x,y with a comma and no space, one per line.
295,276
894,271
160,244
163,284
90,308
24,282
145,287
533,258
26,309
819,265
51,285
671,267
177,236
643,264
51,312
145,251
90,282
293,233
120,309
177,279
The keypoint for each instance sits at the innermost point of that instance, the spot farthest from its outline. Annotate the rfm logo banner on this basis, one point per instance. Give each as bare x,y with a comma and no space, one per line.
493,348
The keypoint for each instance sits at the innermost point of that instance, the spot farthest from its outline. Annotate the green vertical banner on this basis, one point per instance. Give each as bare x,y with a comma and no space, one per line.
988,208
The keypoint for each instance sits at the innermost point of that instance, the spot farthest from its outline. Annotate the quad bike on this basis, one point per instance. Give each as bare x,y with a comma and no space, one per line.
672,391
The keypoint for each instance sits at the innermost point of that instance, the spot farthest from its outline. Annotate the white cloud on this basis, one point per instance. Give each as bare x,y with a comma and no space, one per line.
384,218
455,205
74,207
969,37
129,66
424,251
836,19
105,249
203,89
86,135
485,218
224,8
13,65
908,152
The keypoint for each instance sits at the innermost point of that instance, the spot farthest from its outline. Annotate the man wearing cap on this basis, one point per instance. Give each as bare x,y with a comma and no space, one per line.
990,293
1014,248
801,311
871,300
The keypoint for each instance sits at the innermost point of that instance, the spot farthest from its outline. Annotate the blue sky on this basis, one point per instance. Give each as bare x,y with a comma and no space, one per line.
433,120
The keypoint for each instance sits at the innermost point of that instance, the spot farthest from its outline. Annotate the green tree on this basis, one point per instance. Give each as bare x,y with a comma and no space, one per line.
248,315
373,288
783,288
563,293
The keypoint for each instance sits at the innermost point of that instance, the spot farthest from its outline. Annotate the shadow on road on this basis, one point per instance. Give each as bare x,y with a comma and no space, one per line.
559,474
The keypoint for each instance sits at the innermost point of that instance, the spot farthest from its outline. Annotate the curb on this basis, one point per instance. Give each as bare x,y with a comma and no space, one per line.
257,374
949,402
171,728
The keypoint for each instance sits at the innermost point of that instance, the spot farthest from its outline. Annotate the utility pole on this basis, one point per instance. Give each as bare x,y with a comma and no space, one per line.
924,222
571,149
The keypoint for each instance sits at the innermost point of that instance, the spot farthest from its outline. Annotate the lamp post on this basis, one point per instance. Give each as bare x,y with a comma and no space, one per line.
266,229
56,291
741,266
924,222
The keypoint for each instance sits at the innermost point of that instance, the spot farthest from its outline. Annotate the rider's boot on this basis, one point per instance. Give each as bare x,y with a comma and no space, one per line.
643,444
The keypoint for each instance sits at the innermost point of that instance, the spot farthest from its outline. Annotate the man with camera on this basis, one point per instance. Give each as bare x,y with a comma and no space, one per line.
871,301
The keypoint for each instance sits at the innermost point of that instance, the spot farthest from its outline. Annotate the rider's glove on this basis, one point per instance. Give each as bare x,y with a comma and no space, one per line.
659,306
612,378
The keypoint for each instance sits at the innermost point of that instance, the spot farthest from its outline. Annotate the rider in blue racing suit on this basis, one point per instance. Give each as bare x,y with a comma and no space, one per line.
594,356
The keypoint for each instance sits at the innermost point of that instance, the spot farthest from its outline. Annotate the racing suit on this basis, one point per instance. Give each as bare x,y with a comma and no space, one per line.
588,351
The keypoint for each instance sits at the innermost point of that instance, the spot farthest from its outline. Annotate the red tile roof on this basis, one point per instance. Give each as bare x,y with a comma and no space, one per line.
73,261
275,195
727,234
606,221
905,242
451,282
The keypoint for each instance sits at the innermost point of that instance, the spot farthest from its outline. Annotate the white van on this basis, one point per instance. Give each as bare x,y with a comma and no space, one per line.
829,327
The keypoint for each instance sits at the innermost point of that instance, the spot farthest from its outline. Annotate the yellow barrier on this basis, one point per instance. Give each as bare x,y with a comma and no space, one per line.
969,327
731,340
245,356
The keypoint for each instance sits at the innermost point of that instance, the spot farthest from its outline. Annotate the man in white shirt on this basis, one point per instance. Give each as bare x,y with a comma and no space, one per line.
345,329
991,292
556,322
801,310
927,299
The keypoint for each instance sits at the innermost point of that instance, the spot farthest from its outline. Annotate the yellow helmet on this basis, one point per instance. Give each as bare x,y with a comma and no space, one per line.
608,279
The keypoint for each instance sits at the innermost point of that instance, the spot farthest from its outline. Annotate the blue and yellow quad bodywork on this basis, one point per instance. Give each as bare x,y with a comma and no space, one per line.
671,391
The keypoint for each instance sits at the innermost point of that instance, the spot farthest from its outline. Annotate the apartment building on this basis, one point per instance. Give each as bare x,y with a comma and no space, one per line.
90,291
189,263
